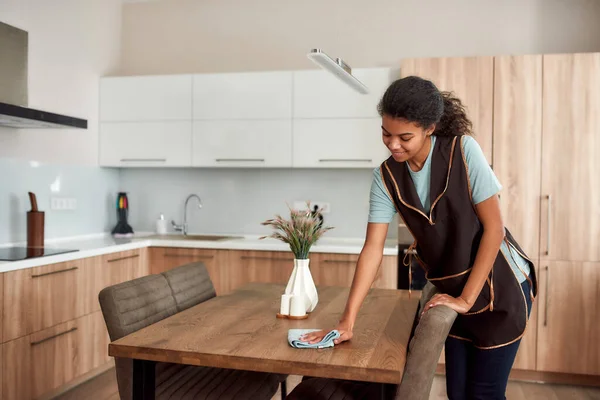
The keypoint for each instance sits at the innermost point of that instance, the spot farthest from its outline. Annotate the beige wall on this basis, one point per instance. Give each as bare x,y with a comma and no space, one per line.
71,44
179,36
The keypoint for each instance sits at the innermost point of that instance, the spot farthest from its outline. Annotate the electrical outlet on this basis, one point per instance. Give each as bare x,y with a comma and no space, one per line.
63,203
301,205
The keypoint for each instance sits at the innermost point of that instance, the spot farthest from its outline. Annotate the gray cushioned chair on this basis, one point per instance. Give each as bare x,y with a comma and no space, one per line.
130,306
424,352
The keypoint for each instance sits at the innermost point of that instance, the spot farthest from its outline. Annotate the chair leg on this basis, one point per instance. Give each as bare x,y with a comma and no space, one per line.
283,389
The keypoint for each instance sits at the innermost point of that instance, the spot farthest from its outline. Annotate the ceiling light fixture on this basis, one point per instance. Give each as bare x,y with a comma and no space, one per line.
337,67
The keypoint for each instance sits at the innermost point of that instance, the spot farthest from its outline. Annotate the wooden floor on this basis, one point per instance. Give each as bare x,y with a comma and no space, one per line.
104,387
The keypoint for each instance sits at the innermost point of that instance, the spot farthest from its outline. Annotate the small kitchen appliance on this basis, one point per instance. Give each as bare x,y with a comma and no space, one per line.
122,229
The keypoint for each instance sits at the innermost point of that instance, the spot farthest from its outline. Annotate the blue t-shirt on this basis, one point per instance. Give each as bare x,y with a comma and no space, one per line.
484,185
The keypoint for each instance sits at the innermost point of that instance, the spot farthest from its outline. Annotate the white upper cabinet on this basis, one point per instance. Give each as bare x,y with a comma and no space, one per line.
146,144
146,98
266,143
319,94
338,143
249,95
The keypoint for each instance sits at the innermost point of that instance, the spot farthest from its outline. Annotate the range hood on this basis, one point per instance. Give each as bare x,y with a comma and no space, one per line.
14,112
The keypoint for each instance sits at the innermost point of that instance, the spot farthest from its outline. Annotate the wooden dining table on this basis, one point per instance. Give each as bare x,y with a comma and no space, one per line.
240,331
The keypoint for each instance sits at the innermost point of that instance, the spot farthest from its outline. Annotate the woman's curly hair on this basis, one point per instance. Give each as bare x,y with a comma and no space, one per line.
418,100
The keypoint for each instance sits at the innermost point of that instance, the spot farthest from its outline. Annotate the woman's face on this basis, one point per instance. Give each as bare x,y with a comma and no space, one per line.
404,139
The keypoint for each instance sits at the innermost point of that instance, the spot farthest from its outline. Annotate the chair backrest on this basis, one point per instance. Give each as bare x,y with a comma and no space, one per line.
190,285
425,348
130,306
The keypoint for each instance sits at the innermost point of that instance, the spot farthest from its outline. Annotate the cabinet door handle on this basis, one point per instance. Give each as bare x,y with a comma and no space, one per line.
54,336
54,272
265,258
240,160
122,258
341,261
143,160
187,255
548,221
345,160
547,295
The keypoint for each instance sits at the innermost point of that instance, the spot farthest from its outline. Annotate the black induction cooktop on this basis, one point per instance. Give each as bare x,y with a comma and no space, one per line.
23,253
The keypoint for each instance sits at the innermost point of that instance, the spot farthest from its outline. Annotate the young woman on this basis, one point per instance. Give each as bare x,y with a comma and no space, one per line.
440,183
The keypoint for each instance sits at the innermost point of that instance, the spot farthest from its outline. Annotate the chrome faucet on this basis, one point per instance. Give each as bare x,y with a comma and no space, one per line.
184,227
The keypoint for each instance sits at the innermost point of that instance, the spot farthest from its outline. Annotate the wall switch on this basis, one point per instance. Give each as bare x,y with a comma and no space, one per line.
301,205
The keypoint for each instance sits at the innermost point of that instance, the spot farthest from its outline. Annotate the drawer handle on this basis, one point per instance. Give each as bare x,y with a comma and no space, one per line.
265,258
186,255
345,160
240,160
547,295
341,261
123,258
143,160
54,336
413,251
54,272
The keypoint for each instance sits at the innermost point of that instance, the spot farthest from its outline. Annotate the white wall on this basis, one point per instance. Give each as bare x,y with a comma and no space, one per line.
177,36
71,44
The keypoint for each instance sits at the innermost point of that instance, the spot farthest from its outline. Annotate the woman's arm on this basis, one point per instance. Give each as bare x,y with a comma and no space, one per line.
366,270
493,234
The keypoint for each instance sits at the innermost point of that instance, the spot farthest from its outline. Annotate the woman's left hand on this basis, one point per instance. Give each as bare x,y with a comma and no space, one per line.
458,304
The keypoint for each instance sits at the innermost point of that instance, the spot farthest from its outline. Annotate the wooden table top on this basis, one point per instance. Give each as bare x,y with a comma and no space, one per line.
240,331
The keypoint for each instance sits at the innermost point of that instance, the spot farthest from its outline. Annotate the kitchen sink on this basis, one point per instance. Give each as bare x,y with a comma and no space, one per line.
212,238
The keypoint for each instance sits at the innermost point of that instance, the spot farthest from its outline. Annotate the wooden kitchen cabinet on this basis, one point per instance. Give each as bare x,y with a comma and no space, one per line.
45,296
471,79
41,297
243,96
146,98
243,267
338,143
570,162
162,259
146,144
568,315
248,144
331,269
41,362
518,119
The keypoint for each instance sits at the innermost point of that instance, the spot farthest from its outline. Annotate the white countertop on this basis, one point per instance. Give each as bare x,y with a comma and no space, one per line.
95,245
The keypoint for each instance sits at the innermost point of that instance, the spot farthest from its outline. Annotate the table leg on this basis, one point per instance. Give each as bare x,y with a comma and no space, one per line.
388,391
143,380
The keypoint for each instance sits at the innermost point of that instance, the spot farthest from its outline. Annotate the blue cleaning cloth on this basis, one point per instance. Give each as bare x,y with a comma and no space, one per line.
327,341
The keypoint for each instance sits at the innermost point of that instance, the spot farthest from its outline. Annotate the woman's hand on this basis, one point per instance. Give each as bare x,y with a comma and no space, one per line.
458,304
344,328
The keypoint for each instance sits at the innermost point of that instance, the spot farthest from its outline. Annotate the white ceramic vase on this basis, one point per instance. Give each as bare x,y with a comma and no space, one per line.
301,283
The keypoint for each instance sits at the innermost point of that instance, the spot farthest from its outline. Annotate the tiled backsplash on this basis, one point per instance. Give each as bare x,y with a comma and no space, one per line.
94,189
238,200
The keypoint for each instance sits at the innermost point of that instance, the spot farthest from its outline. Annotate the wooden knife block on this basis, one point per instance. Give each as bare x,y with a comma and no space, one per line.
35,229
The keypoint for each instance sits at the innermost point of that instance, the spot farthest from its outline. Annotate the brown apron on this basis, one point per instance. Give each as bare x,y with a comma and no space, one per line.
446,243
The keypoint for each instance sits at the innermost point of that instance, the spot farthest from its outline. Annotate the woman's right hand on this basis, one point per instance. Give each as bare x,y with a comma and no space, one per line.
344,328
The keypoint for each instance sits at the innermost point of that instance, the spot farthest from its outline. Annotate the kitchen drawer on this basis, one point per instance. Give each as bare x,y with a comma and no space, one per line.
165,258
243,267
111,269
331,269
44,361
41,297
